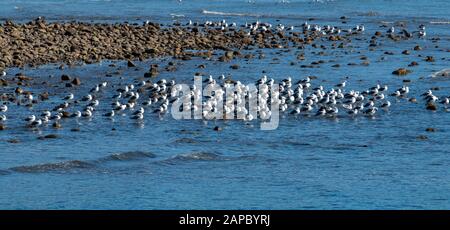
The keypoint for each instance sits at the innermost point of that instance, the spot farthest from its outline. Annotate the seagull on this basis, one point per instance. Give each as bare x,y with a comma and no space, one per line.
341,85
3,73
69,97
138,116
353,112
110,114
87,113
140,110
76,114
36,123
391,30
445,101
95,89
30,119
2,117
46,113
94,103
3,108
386,105
87,98
371,111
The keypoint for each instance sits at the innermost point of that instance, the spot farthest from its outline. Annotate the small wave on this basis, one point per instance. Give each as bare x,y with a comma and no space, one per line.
198,156
128,156
229,13
4,172
204,156
177,15
53,167
440,22
185,141
441,73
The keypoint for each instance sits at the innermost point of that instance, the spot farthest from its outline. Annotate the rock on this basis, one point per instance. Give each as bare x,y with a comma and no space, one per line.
18,90
65,77
2,127
57,125
51,136
417,47
65,114
217,128
130,64
413,63
422,137
235,66
13,141
378,33
406,52
429,59
413,100
401,71
44,96
229,55
76,81
430,129
431,106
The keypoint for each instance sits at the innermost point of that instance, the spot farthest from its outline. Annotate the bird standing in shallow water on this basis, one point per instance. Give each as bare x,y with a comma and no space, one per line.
3,108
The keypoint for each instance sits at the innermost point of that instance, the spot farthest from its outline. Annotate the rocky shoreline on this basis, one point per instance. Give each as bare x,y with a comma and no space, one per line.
39,42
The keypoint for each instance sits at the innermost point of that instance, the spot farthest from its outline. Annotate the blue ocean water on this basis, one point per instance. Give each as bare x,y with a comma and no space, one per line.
307,163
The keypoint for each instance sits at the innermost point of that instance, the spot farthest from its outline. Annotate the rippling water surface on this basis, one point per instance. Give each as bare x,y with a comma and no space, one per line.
307,163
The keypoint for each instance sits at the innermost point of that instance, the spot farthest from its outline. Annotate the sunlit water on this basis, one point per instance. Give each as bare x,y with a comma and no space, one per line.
307,163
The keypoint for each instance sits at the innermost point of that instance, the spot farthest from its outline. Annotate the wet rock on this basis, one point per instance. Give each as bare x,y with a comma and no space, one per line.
3,82
235,66
429,59
65,114
130,64
429,129
13,141
57,125
413,63
18,90
401,71
51,136
44,96
229,55
153,72
76,81
365,63
65,77
422,137
431,106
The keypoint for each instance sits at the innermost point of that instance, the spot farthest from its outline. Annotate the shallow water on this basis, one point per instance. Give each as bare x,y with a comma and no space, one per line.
307,163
